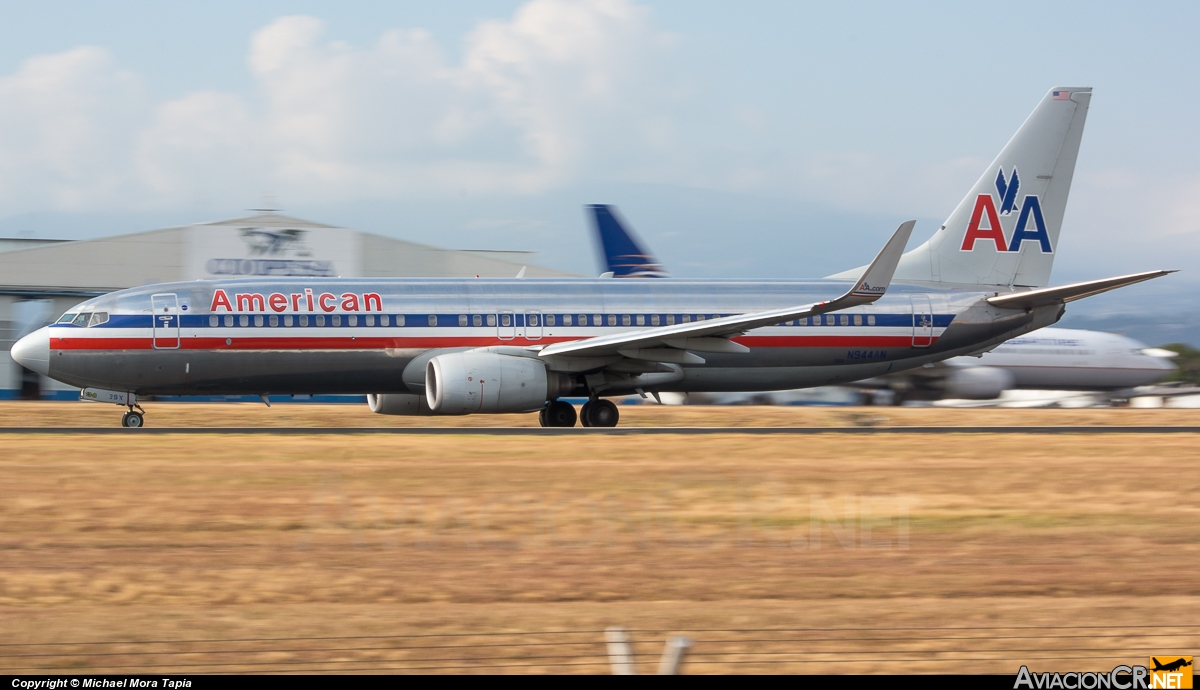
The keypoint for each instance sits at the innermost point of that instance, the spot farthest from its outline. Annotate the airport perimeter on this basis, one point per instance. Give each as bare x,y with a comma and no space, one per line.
823,552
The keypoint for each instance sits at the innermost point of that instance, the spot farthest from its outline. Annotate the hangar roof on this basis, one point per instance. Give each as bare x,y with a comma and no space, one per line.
261,245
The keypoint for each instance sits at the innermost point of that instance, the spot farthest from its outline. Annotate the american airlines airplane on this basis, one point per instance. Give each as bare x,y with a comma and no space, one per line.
1058,359
463,346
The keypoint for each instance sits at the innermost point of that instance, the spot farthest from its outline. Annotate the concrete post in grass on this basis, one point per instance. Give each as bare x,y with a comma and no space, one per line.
673,654
620,651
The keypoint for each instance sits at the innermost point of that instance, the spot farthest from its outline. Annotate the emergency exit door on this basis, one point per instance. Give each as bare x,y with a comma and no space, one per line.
165,308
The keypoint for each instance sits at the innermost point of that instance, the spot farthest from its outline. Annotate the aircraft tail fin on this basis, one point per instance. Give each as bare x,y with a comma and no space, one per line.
1005,231
624,255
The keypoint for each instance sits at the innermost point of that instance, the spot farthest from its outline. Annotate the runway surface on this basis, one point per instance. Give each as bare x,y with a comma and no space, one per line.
619,431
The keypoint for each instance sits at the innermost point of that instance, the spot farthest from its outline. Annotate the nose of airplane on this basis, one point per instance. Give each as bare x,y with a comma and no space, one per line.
33,351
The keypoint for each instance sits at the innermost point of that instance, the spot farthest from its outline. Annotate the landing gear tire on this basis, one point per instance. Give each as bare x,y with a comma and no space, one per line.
600,413
132,420
558,414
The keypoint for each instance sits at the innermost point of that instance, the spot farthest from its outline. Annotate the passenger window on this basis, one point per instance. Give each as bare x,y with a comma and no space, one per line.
273,320
336,319
624,319
654,319
476,320
213,321
506,320
612,319
433,319
844,320
566,320
686,318
532,318
320,319
66,318
597,320
287,320
258,320
858,319
352,319
304,319
462,319
549,319
370,319
384,320
699,317
641,320
81,319
870,319
243,320
229,320
491,319
399,319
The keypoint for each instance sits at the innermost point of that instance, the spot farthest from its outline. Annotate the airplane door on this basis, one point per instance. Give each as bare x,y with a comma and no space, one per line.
533,325
165,331
922,314
506,325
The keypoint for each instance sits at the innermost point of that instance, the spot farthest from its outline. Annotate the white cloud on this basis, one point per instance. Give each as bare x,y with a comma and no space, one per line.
65,122
559,90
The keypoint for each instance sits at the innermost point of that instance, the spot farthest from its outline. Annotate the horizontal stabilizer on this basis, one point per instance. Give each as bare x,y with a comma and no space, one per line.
1069,293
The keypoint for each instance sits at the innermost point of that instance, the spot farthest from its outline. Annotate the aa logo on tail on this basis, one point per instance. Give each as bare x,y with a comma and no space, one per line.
985,218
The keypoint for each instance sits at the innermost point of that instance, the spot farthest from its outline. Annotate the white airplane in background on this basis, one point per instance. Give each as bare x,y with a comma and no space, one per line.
1057,359
463,346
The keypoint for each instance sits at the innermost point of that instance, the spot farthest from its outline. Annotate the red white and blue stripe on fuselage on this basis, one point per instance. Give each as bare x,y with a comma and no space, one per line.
358,331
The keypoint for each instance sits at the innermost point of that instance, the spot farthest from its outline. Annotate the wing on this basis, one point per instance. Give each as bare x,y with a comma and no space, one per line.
671,343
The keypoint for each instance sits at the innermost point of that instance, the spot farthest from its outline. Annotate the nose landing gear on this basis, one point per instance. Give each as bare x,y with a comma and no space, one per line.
132,419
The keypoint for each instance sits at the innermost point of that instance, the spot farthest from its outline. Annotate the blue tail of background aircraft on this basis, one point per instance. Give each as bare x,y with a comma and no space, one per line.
624,256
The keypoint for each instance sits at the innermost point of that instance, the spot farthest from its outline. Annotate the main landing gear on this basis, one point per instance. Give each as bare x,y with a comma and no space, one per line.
557,413
599,413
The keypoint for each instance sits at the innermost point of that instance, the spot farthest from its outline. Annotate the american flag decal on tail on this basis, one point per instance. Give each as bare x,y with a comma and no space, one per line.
1062,95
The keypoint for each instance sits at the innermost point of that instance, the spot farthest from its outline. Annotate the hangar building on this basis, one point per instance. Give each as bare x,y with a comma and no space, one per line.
41,279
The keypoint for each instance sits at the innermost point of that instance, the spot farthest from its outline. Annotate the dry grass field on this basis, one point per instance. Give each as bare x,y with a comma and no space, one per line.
774,553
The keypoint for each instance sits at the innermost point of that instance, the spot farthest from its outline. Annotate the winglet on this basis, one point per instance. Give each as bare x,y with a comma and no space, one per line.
875,280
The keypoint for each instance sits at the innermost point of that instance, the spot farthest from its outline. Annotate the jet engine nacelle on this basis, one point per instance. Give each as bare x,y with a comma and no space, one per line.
470,382
977,383
398,404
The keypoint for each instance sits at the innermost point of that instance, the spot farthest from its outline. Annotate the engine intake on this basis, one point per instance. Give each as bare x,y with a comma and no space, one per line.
486,382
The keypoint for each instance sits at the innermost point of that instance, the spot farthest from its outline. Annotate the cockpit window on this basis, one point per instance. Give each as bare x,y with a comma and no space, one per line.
85,319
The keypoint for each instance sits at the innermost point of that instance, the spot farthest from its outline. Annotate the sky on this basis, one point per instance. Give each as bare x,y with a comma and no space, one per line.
742,140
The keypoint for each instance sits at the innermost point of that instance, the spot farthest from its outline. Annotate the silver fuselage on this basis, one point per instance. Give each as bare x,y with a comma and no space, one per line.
321,336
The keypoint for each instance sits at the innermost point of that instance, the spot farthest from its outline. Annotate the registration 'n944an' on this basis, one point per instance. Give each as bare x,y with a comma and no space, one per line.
866,354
